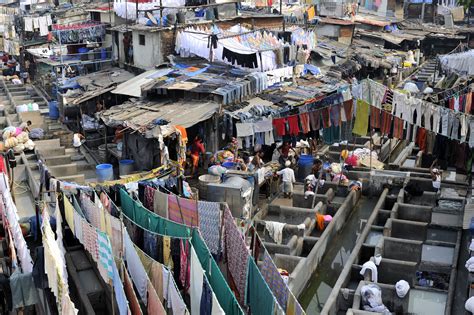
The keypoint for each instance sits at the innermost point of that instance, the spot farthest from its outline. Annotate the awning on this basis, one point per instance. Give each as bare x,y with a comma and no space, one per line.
133,87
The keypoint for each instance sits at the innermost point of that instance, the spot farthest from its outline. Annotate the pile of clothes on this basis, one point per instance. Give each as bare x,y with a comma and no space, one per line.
17,139
372,299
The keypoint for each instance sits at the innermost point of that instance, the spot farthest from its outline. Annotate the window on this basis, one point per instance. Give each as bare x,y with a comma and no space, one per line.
95,16
141,39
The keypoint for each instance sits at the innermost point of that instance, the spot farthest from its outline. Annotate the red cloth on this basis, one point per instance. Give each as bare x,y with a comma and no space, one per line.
398,128
197,148
293,129
421,139
326,120
280,126
3,167
348,109
451,103
386,122
304,118
375,117
467,110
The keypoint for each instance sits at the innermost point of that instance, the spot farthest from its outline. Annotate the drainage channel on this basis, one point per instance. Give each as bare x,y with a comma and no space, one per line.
323,280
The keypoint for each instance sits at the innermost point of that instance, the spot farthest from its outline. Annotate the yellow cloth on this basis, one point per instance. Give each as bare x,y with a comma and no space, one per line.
69,213
361,119
167,250
290,309
311,13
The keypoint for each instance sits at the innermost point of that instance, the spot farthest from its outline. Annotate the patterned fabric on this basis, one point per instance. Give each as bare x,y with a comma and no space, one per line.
274,280
149,195
91,211
78,227
89,234
180,208
209,224
237,255
185,264
105,254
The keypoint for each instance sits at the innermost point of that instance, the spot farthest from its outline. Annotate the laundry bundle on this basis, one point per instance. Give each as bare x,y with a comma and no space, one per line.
372,299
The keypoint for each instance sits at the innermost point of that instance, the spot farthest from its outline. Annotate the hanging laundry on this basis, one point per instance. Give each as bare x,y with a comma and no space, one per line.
183,210
293,126
209,224
335,115
325,114
375,118
398,128
119,291
280,126
361,118
304,119
160,203
259,296
315,120
386,123
23,290
185,265
196,285
130,293
135,267
149,198
274,280
421,139
237,255
154,305
106,260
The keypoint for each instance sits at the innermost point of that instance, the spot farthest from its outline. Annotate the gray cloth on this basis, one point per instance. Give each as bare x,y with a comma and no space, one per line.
160,204
23,288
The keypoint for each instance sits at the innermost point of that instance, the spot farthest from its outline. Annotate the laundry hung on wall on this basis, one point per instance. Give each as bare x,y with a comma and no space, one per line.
263,51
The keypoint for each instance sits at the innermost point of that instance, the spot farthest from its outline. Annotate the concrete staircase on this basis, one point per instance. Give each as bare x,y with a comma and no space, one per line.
55,151
427,72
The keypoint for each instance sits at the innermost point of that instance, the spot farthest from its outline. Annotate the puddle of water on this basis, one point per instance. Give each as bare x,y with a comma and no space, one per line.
426,302
441,235
330,267
449,204
437,254
373,237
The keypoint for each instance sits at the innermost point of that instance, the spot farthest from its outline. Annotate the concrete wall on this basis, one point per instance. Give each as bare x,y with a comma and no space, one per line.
302,273
149,55
331,303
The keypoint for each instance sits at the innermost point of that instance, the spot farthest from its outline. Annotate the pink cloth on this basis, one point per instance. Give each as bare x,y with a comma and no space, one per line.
181,208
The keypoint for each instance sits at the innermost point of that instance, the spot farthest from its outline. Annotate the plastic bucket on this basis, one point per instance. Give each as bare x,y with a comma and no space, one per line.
204,180
53,110
126,167
305,163
228,164
104,172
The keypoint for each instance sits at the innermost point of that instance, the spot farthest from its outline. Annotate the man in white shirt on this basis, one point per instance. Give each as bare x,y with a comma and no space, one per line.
288,177
77,141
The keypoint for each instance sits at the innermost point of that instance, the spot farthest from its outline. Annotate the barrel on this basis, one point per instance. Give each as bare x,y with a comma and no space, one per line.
103,154
204,180
126,167
53,110
104,172
305,163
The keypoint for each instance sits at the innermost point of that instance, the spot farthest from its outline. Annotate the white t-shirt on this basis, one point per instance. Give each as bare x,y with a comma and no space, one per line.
288,175
437,182
76,140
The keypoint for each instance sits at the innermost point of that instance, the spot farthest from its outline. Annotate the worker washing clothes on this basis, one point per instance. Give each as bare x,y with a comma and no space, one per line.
435,176
284,151
77,140
288,178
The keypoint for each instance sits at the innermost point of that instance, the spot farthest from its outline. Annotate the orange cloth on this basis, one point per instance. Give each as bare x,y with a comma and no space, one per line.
320,221
184,134
311,13
195,159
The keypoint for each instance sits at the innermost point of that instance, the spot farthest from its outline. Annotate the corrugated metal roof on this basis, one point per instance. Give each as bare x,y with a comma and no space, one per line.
142,115
133,87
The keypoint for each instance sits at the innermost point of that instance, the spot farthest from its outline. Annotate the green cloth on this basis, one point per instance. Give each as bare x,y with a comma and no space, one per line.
151,221
221,289
259,296
361,118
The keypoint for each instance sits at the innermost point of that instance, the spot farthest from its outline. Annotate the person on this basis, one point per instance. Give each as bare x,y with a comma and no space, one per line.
288,177
77,140
5,58
435,175
126,47
197,148
256,162
284,151
317,166
25,126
